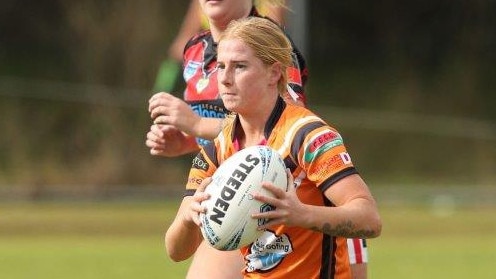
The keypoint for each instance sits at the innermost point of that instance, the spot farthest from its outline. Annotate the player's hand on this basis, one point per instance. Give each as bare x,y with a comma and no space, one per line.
195,207
166,140
289,210
167,109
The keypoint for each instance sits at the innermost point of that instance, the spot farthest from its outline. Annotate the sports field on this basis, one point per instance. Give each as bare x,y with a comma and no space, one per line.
125,240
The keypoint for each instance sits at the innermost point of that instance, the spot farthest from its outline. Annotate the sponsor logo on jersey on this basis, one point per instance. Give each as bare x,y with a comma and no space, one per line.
194,180
200,163
268,251
329,166
190,69
332,164
209,110
322,143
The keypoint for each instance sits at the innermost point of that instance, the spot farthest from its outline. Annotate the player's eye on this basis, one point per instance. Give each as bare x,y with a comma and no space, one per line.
221,66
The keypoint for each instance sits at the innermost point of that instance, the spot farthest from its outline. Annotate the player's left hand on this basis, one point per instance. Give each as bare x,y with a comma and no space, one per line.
289,210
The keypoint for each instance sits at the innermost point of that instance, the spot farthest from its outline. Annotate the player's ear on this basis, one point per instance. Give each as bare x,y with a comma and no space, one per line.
275,73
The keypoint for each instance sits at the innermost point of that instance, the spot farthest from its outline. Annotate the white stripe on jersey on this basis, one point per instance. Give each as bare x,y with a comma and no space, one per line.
289,135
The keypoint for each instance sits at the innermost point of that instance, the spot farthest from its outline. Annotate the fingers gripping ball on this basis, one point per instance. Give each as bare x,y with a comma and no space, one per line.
227,223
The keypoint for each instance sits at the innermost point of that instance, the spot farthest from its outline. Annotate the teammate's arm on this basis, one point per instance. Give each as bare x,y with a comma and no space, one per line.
167,141
170,68
190,26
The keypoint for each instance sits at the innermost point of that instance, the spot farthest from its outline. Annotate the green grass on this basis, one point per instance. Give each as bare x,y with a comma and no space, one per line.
86,257
421,243
125,240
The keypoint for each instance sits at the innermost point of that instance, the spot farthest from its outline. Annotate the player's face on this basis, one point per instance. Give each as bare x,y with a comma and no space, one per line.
224,11
245,82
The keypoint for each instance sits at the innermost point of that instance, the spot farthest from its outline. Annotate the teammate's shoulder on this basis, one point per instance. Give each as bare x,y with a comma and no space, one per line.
199,37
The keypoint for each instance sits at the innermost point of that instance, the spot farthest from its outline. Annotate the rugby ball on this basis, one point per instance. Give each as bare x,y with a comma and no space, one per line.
227,223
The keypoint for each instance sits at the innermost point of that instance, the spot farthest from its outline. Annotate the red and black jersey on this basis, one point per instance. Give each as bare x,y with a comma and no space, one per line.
200,74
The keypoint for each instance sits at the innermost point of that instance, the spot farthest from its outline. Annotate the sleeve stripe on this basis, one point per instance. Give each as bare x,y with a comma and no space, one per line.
300,136
336,177
289,135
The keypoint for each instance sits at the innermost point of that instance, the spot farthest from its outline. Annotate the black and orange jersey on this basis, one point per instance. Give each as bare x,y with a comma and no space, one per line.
317,157
200,75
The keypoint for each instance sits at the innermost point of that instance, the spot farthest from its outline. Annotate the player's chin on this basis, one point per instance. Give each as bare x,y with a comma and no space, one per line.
230,101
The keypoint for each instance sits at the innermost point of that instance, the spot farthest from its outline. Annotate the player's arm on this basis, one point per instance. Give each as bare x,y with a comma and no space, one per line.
355,213
168,141
184,235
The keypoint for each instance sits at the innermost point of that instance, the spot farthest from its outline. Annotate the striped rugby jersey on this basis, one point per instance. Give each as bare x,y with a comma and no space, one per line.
316,155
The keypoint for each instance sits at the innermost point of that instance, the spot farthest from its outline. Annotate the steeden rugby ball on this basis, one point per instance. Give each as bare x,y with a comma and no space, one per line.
227,223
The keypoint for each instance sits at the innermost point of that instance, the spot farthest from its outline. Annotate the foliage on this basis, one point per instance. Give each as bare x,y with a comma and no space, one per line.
409,84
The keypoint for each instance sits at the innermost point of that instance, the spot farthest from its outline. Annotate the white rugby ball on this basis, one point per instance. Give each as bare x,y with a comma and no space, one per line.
227,223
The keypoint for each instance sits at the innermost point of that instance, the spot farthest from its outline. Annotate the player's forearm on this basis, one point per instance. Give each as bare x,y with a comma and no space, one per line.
182,239
358,219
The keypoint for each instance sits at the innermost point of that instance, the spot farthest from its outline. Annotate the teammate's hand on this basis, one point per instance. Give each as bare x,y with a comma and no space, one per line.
167,109
167,141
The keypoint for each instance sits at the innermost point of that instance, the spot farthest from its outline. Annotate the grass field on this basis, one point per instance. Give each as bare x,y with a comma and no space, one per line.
125,240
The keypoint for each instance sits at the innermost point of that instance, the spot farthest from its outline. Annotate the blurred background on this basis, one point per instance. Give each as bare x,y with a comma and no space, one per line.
410,85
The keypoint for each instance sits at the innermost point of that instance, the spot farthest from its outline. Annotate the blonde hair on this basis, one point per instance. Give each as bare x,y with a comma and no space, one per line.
267,40
270,4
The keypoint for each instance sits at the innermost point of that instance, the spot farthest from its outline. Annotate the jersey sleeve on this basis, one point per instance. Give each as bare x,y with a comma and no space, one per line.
324,157
202,167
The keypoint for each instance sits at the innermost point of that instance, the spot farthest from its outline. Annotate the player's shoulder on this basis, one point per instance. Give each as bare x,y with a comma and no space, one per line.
296,112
